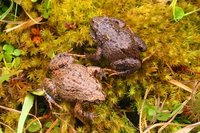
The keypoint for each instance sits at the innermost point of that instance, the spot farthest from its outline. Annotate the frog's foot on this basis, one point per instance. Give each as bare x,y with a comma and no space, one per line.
78,110
122,73
51,101
108,70
112,72
126,66
96,56
96,72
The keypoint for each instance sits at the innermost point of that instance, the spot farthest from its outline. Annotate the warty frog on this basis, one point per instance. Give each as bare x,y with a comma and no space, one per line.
117,44
74,82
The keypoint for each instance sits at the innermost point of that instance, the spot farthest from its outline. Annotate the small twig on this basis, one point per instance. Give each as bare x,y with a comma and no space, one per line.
113,72
188,128
141,110
12,22
52,126
25,24
167,123
76,55
164,125
160,109
170,68
57,115
7,126
107,85
39,118
181,85
35,21
163,103
16,111
160,124
195,87
148,57
145,122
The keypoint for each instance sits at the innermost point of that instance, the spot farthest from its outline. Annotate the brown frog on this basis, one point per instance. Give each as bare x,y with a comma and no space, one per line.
117,44
72,82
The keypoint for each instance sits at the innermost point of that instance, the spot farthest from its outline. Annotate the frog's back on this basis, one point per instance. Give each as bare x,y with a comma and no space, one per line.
119,44
75,83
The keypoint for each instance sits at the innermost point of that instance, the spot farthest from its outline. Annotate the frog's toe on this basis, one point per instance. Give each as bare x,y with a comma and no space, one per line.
51,101
126,65
122,73
102,75
79,111
90,116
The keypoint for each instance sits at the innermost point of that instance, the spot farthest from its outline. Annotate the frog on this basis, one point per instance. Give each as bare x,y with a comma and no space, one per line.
73,82
117,43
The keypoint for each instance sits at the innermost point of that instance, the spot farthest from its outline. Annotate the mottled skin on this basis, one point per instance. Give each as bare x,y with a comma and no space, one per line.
117,44
72,82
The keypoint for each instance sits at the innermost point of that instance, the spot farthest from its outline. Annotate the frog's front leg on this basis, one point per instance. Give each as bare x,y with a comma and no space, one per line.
78,110
96,56
93,70
50,88
97,72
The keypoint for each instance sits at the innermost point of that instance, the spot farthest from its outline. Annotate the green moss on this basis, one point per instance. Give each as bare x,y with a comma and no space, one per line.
191,110
171,45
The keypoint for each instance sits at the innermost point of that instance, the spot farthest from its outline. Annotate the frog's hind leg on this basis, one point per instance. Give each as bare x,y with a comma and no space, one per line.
125,66
51,89
96,56
51,101
78,110
122,73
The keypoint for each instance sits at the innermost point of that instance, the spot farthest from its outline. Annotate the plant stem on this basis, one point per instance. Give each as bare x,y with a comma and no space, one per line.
192,12
16,7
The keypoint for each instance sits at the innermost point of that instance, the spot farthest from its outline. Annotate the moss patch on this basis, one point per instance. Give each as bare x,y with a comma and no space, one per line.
173,53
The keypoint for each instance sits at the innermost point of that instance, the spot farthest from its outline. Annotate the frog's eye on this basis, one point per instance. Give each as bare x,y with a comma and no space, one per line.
60,60
94,20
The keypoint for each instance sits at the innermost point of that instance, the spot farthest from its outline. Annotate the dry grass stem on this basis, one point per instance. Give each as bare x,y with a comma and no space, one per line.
141,110
16,111
181,85
7,126
25,25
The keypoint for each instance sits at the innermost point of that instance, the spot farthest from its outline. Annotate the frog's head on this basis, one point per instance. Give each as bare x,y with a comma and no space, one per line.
96,22
99,23
60,60
100,26
98,97
104,22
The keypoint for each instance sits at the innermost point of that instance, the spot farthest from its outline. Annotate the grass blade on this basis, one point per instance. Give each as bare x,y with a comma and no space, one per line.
28,103
7,11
